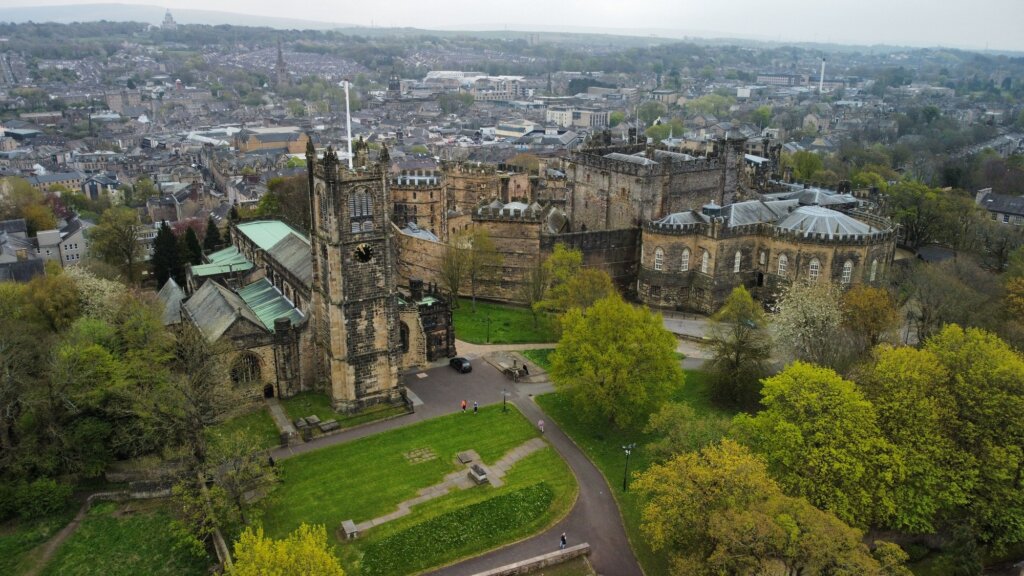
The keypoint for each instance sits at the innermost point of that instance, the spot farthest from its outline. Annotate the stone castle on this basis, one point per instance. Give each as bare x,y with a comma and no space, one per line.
620,204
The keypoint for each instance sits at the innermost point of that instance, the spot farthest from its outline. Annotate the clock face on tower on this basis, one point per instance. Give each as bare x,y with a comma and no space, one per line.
364,253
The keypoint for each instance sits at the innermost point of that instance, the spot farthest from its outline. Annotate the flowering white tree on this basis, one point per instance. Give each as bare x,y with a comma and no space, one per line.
809,324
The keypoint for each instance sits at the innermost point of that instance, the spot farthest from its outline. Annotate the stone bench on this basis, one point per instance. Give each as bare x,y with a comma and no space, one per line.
478,474
301,423
329,425
312,420
350,530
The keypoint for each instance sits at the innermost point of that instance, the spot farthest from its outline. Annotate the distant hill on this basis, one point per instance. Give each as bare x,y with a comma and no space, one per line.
151,15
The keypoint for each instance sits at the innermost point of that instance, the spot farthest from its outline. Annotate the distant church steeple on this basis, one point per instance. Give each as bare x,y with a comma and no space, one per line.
282,78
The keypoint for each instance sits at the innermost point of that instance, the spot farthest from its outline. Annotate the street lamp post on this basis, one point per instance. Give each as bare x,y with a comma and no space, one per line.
628,448
488,321
504,400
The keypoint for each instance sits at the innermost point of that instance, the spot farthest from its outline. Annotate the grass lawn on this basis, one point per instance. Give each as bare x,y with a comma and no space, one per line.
539,357
18,538
257,425
367,478
603,445
125,540
315,403
509,324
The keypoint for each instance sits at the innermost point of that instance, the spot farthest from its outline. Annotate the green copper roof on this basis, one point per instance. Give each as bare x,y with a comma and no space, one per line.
266,233
222,262
268,303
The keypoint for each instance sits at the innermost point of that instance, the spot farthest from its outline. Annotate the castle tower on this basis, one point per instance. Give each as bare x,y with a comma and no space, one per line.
354,308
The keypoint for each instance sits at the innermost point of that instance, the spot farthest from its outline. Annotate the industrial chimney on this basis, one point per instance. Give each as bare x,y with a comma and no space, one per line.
821,80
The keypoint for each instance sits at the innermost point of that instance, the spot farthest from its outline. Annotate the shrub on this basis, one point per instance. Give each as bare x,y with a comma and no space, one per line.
41,497
421,546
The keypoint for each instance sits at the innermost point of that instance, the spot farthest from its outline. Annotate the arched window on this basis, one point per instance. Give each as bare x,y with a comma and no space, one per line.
847,273
783,264
659,258
245,369
874,269
761,258
737,261
813,270
686,260
704,259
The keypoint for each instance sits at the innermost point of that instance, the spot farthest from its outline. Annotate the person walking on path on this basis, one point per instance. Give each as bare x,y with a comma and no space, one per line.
561,542
476,407
463,406
540,424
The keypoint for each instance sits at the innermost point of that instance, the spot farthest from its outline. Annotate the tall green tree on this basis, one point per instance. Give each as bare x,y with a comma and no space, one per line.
821,440
918,414
719,512
453,267
115,240
616,363
740,348
869,314
193,251
534,286
166,261
987,385
483,261
211,240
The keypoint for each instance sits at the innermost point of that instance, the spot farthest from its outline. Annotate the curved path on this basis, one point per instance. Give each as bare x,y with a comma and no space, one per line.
595,516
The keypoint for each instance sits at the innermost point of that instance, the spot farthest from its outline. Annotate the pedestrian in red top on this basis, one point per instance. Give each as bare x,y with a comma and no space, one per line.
463,406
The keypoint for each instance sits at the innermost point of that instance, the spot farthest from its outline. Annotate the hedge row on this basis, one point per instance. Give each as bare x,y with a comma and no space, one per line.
34,499
434,541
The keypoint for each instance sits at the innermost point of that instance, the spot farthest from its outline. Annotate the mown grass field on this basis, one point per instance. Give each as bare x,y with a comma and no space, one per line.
508,324
367,478
603,445
125,540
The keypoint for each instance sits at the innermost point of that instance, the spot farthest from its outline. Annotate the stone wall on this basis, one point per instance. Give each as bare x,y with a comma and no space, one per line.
614,251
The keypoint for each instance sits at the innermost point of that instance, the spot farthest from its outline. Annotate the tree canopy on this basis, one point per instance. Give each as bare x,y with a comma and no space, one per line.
616,362
740,348
303,552
821,440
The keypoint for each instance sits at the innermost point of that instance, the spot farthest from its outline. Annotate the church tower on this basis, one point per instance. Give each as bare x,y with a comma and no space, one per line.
354,306
281,77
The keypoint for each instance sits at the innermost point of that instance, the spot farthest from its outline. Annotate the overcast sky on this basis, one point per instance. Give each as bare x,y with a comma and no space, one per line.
996,24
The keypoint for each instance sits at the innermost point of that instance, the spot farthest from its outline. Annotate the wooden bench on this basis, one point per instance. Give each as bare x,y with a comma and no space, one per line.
465,457
350,530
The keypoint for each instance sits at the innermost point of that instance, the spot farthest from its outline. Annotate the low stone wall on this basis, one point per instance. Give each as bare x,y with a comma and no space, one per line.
531,564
